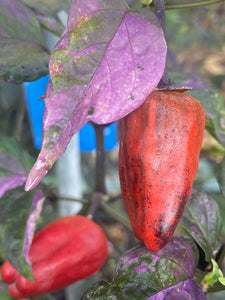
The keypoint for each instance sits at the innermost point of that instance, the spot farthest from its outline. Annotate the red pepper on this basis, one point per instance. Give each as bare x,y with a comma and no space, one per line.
160,143
67,250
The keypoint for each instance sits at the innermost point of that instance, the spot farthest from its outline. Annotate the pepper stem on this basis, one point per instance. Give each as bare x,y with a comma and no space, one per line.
160,11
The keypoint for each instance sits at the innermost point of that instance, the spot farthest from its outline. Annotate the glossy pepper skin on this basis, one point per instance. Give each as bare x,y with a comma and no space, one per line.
69,249
160,143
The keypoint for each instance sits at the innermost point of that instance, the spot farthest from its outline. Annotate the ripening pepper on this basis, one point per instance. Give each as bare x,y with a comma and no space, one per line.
69,249
160,143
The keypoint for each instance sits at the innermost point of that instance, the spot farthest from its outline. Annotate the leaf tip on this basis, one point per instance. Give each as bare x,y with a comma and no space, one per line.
28,184
33,181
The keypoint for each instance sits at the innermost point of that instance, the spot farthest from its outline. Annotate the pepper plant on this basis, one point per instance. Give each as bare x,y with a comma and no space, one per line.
108,60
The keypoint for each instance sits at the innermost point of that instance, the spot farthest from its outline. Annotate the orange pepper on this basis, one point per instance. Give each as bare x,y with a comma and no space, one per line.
160,143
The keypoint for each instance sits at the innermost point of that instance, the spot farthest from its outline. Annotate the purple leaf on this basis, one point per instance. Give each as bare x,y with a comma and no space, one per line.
179,250
141,274
202,220
183,290
36,209
104,66
8,183
194,82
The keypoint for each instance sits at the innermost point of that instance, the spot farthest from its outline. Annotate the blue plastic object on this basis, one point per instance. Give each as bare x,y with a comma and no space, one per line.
34,91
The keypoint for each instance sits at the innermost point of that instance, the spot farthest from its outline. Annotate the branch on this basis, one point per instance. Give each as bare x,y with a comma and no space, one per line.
19,120
190,4
160,11
116,215
71,198
100,159
159,7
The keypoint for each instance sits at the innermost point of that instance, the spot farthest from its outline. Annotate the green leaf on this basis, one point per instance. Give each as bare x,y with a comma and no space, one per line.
222,280
100,290
14,211
212,277
146,2
202,220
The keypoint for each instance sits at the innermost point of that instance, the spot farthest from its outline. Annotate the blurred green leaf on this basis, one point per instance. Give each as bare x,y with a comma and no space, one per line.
11,147
48,7
23,51
15,163
212,146
220,175
146,2
214,107
211,100
4,295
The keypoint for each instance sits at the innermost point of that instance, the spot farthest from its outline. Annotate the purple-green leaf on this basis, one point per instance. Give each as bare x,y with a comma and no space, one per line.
141,274
19,210
107,62
202,220
16,207
23,54
14,164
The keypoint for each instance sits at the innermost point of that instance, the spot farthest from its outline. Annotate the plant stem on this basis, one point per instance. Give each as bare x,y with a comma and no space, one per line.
160,11
71,199
188,4
214,289
100,159
159,7
96,201
19,120
116,215
115,198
